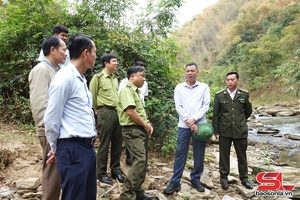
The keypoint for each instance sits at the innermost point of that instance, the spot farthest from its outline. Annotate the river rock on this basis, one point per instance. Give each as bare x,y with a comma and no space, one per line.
292,137
286,113
29,183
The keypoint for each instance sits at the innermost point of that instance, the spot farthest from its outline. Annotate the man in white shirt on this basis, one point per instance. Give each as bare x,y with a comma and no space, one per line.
192,100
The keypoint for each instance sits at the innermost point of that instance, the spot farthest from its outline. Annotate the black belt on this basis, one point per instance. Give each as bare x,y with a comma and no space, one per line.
107,107
87,141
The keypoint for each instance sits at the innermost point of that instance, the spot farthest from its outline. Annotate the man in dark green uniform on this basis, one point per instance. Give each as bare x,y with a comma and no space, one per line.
231,110
104,87
135,131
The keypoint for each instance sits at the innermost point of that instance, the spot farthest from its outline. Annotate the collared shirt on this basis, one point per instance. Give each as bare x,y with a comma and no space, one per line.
191,102
42,57
130,96
232,94
143,89
39,80
104,90
69,112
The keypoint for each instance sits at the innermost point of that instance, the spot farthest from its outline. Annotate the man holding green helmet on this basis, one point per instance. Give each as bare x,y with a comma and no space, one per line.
192,100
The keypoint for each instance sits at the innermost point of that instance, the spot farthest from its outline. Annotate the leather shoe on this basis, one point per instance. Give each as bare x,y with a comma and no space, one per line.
121,178
198,186
224,185
172,187
106,179
247,184
145,196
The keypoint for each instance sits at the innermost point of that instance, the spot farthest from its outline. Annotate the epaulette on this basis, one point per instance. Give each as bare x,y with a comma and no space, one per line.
220,91
242,90
99,74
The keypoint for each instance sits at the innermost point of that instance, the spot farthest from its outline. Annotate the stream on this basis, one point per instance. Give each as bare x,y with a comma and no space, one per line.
290,151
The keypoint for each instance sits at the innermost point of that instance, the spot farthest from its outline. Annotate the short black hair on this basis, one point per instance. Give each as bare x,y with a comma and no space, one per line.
191,64
139,63
133,70
78,43
236,74
58,29
106,58
52,41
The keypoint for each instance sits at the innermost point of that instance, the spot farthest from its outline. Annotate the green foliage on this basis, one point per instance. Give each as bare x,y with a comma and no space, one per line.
24,25
290,74
21,31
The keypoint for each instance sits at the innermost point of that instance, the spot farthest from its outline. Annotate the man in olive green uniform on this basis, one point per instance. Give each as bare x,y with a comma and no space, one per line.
135,130
104,87
231,110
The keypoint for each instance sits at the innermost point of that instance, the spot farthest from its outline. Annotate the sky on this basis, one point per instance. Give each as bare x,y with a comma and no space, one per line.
190,8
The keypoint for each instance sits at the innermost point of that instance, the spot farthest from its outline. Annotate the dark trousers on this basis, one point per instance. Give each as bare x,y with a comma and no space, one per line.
76,163
240,146
136,140
110,134
50,175
183,143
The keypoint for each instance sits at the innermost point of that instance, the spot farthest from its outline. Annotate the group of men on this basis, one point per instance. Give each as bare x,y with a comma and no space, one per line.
64,109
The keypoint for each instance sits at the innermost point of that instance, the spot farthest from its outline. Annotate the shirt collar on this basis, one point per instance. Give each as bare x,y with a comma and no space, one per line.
106,74
195,85
56,67
133,86
232,94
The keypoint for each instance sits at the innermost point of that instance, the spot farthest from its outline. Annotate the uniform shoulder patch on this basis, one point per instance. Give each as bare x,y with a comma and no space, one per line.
220,91
242,90
99,74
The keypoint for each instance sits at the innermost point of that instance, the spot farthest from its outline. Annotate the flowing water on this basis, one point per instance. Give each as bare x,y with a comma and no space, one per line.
285,125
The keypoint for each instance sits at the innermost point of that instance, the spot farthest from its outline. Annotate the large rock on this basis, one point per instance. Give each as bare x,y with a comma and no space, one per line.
29,183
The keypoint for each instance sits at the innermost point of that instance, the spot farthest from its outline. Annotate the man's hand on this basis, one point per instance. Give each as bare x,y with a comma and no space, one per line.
216,135
194,128
52,158
149,129
190,121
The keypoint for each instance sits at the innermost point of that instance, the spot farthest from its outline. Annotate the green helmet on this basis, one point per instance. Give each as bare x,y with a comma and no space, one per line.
205,131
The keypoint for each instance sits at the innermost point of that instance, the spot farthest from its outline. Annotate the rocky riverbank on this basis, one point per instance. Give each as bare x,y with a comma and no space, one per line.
20,179
160,172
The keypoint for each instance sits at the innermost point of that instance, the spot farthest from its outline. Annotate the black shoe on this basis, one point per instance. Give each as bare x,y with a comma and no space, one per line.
198,186
247,184
106,179
121,178
224,185
145,196
128,161
172,187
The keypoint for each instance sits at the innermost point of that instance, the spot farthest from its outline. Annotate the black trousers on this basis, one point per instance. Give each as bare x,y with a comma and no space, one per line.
240,146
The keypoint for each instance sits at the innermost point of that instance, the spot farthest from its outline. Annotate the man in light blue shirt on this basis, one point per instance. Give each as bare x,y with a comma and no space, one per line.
70,124
192,100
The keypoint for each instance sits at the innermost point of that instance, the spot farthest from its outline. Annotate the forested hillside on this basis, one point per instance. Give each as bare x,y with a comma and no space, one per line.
258,38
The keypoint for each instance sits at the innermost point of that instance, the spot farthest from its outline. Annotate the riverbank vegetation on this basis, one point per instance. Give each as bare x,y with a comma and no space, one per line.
258,38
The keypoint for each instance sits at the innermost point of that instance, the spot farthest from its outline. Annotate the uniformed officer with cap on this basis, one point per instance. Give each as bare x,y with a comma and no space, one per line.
231,110
104,87
135,131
